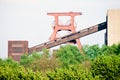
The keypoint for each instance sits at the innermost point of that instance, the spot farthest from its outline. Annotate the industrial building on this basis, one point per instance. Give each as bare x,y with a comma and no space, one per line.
112,36
113,26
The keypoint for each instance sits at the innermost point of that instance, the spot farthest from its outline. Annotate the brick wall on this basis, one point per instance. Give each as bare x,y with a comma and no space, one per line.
17,48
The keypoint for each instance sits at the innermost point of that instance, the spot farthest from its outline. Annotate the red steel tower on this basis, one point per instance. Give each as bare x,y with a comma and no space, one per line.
71,27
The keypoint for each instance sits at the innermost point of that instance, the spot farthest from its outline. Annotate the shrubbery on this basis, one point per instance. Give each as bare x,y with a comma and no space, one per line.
107,67
92,51
69,55
40,62
11,70
67,63
26,60
9,62
9,73
70,73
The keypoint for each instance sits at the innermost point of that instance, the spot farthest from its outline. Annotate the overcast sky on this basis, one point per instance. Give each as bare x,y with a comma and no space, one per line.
28,19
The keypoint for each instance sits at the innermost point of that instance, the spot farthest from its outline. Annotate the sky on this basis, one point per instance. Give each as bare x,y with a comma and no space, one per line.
28,19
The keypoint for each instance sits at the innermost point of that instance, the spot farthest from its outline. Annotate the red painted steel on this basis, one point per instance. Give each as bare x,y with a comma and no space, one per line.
69,37
70,27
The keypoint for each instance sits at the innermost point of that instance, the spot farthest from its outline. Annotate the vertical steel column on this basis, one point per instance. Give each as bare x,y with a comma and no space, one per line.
70,27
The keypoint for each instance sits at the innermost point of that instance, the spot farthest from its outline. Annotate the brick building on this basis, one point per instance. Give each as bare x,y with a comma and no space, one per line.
17,48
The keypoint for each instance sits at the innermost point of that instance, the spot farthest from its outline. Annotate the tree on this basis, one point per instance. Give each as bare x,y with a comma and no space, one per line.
106,67
69,55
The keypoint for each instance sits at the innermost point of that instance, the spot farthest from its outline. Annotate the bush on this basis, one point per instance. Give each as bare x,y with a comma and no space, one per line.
115,48
9,62
69,55
92,51
105,64
26,60
39,62
9,73
106,67
44,64
70,73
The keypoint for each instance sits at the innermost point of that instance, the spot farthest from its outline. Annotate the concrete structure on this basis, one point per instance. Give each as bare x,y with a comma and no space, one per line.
113,26
17,48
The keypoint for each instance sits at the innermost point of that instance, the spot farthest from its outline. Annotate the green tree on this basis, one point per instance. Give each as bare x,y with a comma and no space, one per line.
69,55
116,48
92,51
106,67
70,73
26,59
9,62
40,62
18,73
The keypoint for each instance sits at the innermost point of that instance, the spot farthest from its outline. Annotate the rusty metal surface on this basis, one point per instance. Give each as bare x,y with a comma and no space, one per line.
69,37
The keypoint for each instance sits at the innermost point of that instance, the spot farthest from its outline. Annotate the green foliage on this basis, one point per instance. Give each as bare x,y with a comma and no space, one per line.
26,60
11,70
69,55
92,51
106,67
106,50
39,62
44,64
116,48
9,73
67,63
70,73
9,62
45,53
0,60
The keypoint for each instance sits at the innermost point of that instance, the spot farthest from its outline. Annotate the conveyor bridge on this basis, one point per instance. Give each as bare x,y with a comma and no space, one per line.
69,37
